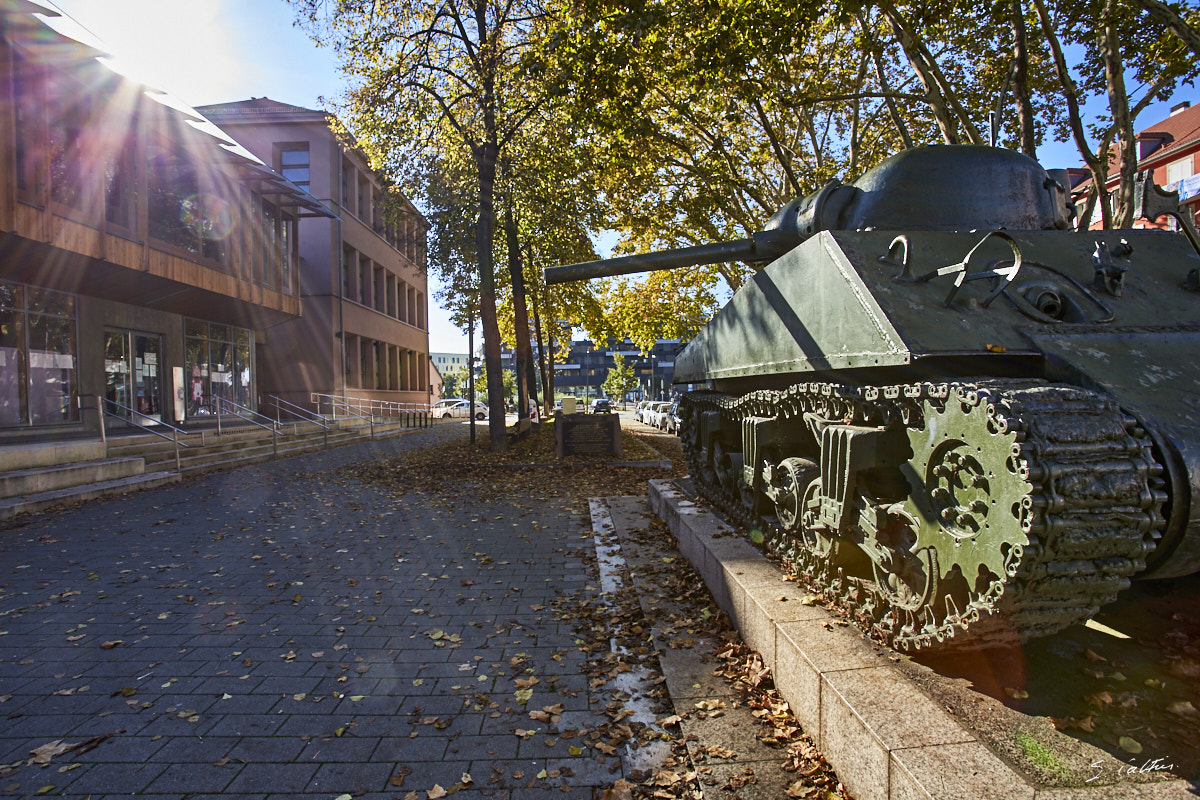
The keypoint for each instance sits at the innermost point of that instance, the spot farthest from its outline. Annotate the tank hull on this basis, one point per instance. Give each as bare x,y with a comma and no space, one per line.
854,306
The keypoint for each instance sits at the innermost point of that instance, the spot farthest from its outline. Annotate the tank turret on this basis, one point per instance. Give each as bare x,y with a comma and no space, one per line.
929,188
967,421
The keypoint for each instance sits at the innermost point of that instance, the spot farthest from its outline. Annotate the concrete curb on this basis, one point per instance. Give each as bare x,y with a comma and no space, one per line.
886,738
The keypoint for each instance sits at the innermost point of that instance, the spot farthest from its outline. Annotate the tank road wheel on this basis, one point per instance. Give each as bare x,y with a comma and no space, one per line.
794,477
907,576
796,491
727,466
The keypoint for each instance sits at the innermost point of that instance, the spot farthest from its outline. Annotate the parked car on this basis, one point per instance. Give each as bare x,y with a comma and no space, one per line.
644,415
638,407
654,414
601,405
671,420
456,408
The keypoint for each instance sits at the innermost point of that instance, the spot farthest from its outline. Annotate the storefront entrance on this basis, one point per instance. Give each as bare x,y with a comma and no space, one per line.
133,375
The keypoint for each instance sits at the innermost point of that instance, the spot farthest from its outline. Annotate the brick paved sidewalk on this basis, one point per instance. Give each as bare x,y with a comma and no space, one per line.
279,631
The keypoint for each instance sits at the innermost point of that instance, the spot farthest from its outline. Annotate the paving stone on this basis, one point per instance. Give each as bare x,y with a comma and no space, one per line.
128,778
273,778
199,580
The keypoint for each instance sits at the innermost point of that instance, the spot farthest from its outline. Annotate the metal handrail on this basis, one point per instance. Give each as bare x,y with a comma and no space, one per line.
104,437
301,412
335,401
393,408
220,401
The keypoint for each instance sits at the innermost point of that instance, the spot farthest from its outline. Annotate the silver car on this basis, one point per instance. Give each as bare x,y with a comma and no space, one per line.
455,408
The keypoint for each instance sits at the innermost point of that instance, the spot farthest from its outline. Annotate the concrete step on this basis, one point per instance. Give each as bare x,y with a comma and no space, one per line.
53,477
43,454
40,501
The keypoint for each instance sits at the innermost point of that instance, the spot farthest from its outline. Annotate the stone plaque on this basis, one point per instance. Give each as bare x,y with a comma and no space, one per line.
587,434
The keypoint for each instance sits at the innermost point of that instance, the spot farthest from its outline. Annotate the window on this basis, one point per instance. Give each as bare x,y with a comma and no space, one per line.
37,356
349,182
27,91
349,272
294,164
219,363
66,141
119,190
1179,170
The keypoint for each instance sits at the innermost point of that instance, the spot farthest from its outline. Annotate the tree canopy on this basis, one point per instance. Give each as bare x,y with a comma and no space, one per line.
684,122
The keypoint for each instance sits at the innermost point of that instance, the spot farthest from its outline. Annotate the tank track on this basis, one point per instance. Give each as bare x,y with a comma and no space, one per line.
1090,513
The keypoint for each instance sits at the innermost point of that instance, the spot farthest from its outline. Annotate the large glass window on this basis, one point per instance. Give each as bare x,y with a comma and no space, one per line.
66,140
119,197
27,89
183,213
174,189
13,382
37,356
220,363
270,249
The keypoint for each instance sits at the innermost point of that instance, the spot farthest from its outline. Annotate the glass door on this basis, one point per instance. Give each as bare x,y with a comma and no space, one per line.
147,377
133,375
116,371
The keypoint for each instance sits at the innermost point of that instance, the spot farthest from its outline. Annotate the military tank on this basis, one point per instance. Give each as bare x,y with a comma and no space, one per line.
965,421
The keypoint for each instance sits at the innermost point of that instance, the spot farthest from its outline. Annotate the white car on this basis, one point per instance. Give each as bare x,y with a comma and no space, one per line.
654,413
453,407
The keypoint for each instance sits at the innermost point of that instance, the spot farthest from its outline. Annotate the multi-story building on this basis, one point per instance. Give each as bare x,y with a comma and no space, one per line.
1170,150
144,254
587,365
364,328
450,362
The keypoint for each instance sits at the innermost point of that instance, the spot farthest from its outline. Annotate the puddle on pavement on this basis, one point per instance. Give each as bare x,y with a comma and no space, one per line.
637,683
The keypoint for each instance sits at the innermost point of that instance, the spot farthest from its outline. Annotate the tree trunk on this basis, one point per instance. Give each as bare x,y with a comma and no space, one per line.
1020,81
541,346
1122,121
933,95
485,232
885,87
1071,95
520,312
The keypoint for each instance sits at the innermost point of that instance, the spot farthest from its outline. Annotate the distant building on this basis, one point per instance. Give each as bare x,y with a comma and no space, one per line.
1170,149
586,368
364,328
450,362
145,256
436,383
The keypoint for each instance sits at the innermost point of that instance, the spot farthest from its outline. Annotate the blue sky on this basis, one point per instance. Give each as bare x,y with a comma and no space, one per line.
214,51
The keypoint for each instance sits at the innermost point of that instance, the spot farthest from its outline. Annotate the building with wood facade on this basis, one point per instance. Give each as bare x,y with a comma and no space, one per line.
144,254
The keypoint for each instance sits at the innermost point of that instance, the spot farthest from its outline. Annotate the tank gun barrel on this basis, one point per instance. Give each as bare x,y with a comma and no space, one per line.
738,250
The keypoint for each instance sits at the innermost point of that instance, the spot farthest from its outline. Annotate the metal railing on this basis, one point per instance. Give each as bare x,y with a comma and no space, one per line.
220,404
102,404
284,407
411,414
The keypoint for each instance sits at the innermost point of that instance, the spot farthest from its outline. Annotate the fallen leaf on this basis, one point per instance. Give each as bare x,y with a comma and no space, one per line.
1130,745
436,792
